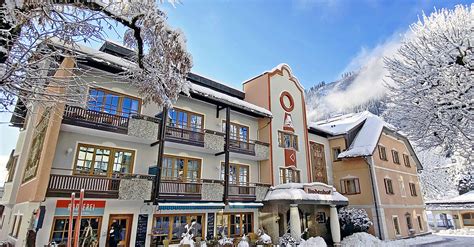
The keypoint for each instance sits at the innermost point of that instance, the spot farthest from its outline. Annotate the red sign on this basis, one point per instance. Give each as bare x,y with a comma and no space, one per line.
90,207
290,157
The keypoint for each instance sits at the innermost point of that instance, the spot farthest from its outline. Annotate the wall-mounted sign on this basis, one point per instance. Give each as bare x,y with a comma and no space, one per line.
321,189
290,157
210,225
142,229
89,208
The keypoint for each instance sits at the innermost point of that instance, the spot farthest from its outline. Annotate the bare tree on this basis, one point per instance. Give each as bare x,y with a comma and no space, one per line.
35,34
431,97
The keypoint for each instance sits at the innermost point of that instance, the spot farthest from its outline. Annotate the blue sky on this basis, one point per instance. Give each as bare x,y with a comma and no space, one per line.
234,40
231,41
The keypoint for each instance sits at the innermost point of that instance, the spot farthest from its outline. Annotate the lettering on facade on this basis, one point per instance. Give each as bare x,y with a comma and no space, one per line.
89,207
318,189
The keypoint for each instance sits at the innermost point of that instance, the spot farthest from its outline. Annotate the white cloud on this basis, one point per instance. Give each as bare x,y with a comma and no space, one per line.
369,82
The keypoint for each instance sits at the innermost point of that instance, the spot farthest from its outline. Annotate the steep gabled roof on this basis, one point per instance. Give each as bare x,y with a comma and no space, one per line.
367,137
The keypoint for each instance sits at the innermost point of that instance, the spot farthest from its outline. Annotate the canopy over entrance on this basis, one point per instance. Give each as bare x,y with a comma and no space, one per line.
306,193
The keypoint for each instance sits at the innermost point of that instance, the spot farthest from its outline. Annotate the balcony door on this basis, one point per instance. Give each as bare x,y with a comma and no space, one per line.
181,169
103,161
239,135
318,162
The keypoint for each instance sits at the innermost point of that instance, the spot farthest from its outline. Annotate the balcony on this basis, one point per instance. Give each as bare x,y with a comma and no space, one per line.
185,136
173,190
135,126
98,187
242,192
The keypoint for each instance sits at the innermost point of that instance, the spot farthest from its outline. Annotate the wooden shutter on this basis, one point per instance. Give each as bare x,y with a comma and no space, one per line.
357,186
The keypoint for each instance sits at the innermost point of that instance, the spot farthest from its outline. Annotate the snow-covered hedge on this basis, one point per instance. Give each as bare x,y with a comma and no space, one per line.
353,220
313,242
361,239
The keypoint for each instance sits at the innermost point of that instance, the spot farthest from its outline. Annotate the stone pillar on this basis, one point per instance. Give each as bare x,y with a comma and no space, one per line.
295,222
335,228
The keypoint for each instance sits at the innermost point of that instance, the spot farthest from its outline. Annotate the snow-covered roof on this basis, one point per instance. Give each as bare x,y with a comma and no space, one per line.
96,55
341,124
279,67
227,99
296,192
464,198
366,139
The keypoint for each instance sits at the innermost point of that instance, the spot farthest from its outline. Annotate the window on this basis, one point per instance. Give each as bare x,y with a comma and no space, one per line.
468,219
409,223
406,160
237,132
171,227
181,168
335,153
412,189
238,174
59,232
18,225
289,175
103,100
11,166
235,224
103,161
287,140
420,222
12,229
388,186
395,157
350,186
182,119
396,225
382,153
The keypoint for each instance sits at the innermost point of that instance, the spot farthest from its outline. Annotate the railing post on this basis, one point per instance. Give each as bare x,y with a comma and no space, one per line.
161,149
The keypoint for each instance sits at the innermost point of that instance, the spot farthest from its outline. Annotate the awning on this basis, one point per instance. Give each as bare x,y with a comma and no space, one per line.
306,193
190,206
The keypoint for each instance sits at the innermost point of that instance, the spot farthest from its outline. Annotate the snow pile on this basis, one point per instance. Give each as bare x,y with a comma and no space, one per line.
361,239
295,191
233,101
413,241
462,231
464,198
313,242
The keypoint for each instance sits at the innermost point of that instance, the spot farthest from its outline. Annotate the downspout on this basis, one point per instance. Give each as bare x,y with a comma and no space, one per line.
369,161
161,149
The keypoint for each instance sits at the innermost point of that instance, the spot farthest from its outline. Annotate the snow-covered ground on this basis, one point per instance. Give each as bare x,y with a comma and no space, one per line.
447,239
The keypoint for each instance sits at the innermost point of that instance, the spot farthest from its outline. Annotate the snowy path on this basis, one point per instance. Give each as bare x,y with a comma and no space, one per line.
452,240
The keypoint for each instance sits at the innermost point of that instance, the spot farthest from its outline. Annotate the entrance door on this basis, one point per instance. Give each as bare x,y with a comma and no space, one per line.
318,163
125,224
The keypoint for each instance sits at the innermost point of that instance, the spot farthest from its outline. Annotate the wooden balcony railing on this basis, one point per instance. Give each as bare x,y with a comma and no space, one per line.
183,135
242,192
179,190
95,187
244,147
94,119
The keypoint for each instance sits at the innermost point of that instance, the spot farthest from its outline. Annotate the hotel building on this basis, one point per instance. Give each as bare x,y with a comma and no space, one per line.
281,176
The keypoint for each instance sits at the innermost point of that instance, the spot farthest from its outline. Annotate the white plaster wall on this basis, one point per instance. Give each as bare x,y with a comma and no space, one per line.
26,210
145,156
279,84
327,154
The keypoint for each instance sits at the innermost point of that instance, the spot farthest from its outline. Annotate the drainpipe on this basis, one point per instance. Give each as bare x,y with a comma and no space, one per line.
161,149
369,161
226,156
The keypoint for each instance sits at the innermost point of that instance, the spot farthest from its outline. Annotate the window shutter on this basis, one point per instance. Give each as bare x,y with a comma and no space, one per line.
356,182
343,187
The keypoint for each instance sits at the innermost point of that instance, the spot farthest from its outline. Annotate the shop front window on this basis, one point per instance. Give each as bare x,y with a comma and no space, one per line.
88,235
235,224
171,227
